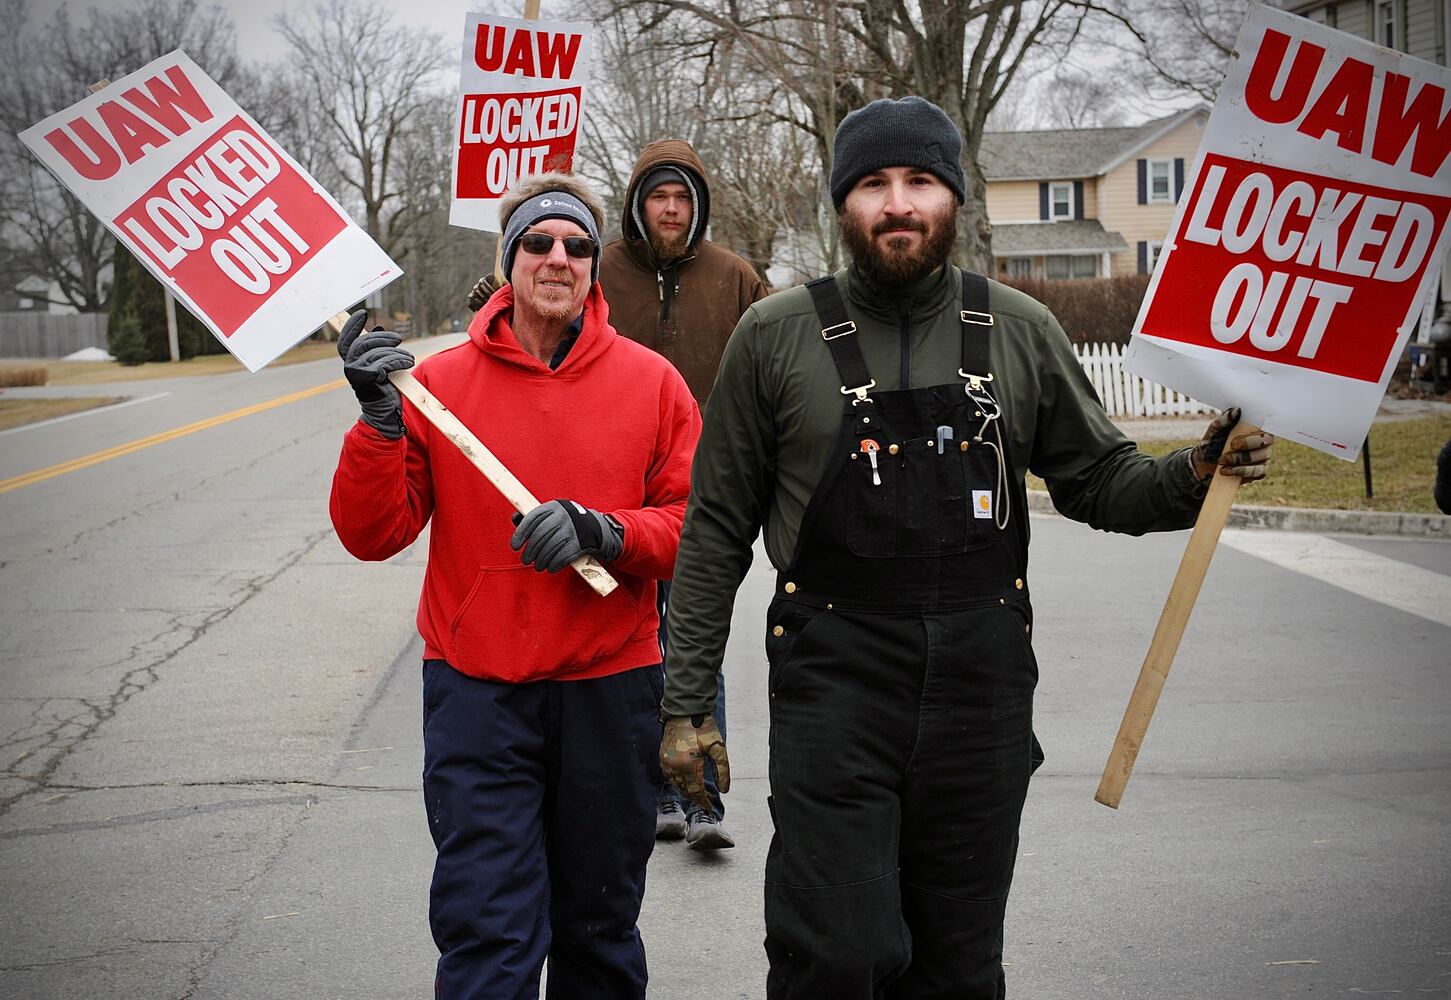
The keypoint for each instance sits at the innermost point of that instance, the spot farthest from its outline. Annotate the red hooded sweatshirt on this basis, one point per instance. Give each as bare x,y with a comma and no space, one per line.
613,427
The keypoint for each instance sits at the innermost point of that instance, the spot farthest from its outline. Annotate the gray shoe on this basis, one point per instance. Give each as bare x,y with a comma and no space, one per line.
669,822
704,833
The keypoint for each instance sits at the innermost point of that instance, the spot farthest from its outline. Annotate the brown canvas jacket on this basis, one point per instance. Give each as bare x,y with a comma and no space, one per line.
683,310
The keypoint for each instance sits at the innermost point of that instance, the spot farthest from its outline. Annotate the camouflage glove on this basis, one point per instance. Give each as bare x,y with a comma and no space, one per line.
1246,457
687,741
483,289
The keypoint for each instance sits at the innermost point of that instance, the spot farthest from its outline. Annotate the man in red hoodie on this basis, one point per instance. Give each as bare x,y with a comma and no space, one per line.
540,698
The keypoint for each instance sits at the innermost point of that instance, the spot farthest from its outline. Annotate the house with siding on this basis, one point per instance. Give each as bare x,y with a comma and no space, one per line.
1086,203
1416,27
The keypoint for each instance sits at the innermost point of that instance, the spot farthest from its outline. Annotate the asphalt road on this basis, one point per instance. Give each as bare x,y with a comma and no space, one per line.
210,752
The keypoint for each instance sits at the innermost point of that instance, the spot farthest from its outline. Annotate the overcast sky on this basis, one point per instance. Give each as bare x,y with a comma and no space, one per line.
257,39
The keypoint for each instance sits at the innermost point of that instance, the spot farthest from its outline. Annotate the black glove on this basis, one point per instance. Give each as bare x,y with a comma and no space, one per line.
560,531
367,360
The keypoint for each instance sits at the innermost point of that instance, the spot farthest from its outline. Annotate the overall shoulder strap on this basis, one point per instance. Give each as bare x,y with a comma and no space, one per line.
839,332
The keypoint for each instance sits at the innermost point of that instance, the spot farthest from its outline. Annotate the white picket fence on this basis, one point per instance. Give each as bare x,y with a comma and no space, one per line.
1126,395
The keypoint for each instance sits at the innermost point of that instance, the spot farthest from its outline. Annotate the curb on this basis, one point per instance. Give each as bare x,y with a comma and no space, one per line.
1351,522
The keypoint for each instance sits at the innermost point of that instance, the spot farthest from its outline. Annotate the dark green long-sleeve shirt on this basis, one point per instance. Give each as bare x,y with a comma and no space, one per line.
775,412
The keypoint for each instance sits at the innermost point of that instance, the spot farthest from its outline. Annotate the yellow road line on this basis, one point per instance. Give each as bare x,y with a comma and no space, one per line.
75,464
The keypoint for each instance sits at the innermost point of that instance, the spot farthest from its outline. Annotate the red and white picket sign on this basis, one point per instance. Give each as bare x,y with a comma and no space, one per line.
205,199
521,95
1306,244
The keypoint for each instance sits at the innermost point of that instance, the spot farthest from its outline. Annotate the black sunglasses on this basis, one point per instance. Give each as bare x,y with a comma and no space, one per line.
579,247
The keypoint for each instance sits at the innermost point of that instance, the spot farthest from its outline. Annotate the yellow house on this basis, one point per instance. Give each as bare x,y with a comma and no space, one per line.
1086,203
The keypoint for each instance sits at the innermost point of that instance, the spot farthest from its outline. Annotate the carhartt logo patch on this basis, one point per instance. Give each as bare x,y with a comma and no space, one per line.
982,503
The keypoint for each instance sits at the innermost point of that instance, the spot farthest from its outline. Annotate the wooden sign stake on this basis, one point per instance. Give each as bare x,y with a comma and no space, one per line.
1175,616
494,471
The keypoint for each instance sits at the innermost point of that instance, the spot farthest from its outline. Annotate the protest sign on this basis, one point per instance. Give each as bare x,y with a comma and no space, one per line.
1307,242
204,198
521,91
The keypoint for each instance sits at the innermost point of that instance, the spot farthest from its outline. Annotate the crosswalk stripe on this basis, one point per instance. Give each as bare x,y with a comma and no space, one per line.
1377,578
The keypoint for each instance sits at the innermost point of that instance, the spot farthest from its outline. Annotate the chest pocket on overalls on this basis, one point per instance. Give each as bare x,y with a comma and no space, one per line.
916,502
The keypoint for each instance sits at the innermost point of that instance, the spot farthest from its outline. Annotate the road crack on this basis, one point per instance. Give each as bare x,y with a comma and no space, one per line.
56,738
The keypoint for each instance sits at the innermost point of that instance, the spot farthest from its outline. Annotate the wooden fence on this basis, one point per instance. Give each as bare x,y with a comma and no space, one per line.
41,335
1126,395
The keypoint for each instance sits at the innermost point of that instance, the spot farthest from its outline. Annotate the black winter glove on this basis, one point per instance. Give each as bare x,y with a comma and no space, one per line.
560,531
367,360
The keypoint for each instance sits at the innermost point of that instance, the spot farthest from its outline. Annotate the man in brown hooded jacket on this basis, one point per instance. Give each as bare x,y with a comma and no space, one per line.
669,287
674,291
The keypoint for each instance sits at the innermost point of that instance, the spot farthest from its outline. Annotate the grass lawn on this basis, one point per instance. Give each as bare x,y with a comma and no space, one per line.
93,372
14,412
1402,464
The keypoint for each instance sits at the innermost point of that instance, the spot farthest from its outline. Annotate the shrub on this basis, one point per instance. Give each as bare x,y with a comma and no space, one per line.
23,375
127,344
1091,310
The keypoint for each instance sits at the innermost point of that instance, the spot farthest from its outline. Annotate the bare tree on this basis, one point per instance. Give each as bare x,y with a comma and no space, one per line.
363,79
49,67
832,58
1183,46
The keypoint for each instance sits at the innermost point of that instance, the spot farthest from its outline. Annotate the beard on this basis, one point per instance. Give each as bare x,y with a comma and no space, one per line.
554,302
895,265
667,249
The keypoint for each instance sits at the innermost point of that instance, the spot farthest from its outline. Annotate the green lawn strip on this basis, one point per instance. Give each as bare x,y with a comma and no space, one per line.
93,372
15,412
1402,464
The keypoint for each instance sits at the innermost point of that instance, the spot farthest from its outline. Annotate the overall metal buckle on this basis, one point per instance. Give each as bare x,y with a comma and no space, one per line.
977,318
860,391
842,330
978,394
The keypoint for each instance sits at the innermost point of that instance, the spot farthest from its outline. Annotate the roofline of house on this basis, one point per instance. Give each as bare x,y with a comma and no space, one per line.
1168,124
1075,251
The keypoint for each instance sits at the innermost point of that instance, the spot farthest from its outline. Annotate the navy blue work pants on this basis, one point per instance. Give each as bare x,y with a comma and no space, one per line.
541,802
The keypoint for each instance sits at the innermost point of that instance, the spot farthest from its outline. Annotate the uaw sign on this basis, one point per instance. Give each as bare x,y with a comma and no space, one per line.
204,198
521,89
1305,247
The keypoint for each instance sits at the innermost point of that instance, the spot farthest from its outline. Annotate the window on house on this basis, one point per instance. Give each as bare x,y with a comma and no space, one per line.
27,303
1059,266
1385,23
1154,246
1060,202
1161,182
1018,267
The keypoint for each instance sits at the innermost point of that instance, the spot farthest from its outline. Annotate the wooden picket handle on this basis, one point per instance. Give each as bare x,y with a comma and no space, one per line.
1172,620
494,471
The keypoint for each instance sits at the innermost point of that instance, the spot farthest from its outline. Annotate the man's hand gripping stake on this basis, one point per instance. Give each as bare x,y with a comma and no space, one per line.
494,471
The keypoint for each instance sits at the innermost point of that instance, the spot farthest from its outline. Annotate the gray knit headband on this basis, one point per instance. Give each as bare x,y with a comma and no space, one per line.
550,205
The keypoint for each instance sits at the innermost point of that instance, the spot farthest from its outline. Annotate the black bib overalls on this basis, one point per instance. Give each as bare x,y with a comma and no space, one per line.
901,687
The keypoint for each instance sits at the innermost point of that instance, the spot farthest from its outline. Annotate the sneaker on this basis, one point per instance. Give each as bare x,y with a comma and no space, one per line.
669,822
704,833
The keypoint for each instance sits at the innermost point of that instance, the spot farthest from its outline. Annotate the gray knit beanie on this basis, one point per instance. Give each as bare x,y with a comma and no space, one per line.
550,205
910,132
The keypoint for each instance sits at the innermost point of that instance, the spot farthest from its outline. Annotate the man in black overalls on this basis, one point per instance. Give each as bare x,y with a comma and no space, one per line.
877,423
